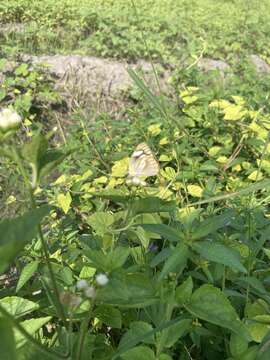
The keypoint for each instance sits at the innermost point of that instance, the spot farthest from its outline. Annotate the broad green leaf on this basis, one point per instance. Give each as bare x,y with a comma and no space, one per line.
166,231
264,348
17,306
109,316
249,354
100,221
64,201
17,232
7,341
210,304
27,273
139,353
255,283
31,326
161,256
138,329
165,357
220,254
152,205
238,344
176,331
183,292
35,149
210,225
176,262
258,331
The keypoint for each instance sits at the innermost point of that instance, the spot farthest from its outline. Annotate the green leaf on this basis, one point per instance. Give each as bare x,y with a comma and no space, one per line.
109,316
138,329
7,342
27,273
17,232
210,225
64,201
176,261
166,231
176,331
238,344
139,353
35,149
220,254
161,256
151,205
31,326
249,354
17,306
183,292
210,304
100,221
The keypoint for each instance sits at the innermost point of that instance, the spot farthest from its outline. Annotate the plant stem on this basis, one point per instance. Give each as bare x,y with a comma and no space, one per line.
60,309
29,337
83,331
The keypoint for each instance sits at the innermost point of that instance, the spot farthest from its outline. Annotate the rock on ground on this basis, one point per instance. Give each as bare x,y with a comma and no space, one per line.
85,77
260,65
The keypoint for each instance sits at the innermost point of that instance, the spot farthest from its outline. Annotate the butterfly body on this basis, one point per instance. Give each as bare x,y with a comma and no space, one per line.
142,164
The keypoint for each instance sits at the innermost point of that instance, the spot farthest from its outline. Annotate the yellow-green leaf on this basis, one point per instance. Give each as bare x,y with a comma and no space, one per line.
64,201
120,168
195,190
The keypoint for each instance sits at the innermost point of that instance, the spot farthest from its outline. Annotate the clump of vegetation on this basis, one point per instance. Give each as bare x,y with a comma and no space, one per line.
176,31
164,257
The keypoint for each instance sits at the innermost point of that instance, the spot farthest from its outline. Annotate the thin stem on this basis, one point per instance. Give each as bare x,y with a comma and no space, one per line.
29,337
43,242
83,331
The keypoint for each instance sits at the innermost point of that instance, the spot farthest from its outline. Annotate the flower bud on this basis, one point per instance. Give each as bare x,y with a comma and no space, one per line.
90,292
82,284
9,119
102,279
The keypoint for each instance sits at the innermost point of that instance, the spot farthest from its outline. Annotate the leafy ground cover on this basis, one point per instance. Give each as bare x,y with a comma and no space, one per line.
175,30
93,268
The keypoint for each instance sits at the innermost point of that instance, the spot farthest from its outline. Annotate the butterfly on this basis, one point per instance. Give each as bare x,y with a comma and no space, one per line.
142,164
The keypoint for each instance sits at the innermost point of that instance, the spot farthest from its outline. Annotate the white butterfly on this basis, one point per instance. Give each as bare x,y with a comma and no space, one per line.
142,164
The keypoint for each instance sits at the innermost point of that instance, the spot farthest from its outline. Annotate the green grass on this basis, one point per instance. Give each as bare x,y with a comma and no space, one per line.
175,30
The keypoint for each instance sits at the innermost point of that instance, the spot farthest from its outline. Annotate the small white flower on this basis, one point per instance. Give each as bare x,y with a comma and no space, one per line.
102,279
136,181
90,292
9,119
82,284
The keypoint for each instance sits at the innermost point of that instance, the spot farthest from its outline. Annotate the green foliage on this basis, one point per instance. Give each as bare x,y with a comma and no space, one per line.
176,269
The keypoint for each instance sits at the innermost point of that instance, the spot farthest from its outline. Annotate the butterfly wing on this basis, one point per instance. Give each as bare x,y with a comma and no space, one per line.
142,162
